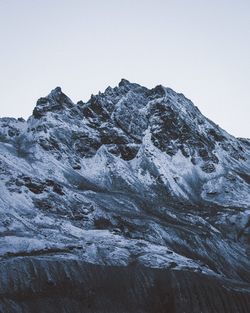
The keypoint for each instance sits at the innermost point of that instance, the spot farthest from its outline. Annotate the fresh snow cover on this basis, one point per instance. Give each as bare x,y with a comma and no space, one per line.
133,176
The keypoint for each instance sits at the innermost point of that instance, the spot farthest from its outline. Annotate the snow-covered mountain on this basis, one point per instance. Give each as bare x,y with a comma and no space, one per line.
131,202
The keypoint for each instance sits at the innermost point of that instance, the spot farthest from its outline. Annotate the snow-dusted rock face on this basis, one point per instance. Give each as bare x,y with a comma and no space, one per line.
135,185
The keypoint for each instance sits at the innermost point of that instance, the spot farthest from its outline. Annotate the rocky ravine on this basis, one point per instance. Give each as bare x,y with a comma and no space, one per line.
131,202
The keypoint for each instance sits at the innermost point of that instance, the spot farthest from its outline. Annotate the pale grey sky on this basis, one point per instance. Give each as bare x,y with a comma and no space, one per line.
198,47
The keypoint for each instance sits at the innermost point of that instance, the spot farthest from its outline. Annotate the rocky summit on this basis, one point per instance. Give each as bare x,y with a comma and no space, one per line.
132,202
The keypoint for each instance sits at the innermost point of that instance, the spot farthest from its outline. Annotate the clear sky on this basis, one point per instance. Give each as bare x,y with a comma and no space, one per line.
198,47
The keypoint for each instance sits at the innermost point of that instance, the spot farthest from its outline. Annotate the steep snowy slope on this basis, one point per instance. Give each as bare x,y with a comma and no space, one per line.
132,180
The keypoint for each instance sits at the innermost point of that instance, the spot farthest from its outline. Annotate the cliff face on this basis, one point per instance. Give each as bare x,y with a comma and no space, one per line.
134,190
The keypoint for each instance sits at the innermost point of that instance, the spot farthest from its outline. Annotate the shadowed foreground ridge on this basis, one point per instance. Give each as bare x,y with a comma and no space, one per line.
131,202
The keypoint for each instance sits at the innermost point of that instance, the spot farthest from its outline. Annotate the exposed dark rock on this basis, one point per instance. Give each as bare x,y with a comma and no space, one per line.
216,135
82,287
54,102
208,167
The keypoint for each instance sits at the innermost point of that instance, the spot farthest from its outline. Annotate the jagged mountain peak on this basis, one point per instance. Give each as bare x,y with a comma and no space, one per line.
124,82
55,101
131,180
56,91
118,119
